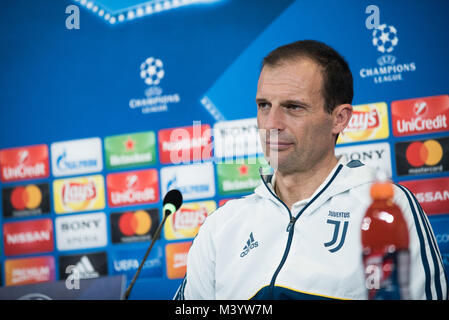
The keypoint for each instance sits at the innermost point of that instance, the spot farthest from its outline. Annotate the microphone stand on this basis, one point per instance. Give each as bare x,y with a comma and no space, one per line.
155,237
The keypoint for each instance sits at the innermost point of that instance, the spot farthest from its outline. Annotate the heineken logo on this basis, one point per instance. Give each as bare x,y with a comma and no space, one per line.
130,150
240,176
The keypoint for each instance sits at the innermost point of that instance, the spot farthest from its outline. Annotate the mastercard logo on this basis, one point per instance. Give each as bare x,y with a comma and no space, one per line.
135,223
427,153
29,197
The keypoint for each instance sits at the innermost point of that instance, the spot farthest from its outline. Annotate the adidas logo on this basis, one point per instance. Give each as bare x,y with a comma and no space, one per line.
250,244
85,269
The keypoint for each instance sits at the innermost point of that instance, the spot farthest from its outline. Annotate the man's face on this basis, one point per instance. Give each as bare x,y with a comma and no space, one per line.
295,130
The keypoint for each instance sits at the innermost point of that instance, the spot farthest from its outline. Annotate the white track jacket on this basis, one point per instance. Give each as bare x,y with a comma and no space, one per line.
256,248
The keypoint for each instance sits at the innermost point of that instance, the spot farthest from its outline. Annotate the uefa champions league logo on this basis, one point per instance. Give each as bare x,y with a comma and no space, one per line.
385,38
151,70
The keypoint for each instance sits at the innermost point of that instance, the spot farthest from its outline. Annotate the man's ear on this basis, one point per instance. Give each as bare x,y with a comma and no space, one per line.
341,116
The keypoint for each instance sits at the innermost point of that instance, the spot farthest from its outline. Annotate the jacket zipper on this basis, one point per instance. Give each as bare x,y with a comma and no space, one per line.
291,223
290,227
290,230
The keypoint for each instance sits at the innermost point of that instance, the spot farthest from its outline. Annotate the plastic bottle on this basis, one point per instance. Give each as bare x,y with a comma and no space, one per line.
385,242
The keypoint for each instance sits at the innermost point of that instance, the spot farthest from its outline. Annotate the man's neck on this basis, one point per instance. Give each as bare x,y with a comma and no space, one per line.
301,185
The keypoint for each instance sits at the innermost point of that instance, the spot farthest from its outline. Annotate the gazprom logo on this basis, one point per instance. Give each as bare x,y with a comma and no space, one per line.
65,164
76,157
187,189
195,181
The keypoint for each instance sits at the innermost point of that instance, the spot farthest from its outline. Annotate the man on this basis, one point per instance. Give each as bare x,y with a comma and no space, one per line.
282,241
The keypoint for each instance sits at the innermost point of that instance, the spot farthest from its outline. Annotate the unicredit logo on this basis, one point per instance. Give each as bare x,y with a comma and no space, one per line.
131,181
133,196
427,153
23,155
422,115
132,188
419,124
24,163
22,171
420,108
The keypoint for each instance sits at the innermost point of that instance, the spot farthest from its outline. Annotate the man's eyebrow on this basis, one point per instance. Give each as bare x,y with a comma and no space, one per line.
295,102
286,102
261,100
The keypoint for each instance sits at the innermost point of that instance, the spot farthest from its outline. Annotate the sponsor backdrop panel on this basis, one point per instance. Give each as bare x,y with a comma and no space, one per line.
97,123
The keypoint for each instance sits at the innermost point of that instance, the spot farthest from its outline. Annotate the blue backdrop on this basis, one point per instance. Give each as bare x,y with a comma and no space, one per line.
59,84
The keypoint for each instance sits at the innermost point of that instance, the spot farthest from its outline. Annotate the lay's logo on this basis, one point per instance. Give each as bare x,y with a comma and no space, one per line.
368,122
185,222
364,120
79,194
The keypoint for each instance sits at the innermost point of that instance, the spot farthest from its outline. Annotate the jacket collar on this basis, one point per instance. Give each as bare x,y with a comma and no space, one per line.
343,177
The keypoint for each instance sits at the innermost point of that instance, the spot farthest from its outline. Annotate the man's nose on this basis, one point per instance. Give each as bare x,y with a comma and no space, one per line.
275,119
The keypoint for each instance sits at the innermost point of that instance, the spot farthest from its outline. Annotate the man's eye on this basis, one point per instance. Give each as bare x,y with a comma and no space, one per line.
263,105
293,107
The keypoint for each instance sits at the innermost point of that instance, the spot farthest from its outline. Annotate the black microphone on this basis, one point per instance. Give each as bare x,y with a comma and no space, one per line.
172,202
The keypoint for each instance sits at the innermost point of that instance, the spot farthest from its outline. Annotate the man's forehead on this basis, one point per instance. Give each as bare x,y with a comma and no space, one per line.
290,77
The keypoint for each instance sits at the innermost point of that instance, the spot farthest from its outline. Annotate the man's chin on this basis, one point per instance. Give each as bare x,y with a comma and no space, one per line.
276,161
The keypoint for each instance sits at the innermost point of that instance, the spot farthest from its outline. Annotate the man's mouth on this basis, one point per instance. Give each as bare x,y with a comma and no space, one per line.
278,145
